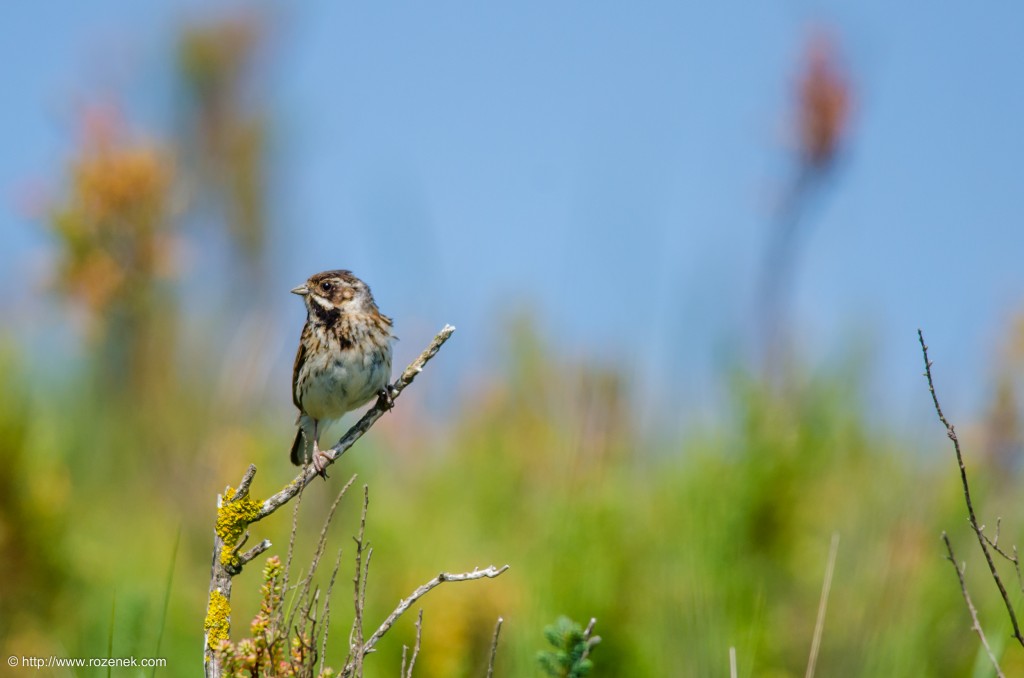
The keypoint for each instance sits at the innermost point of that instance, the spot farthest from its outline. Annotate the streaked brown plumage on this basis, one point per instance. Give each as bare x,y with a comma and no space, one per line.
343,361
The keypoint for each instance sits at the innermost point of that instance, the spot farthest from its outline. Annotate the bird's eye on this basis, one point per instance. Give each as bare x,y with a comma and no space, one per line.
326,286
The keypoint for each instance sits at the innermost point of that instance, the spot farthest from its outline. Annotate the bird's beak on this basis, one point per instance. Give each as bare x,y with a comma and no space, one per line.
301,290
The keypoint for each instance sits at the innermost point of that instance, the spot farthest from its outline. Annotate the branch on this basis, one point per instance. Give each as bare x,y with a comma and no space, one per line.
1015,558
590,641
494,648
415,648
327,612
489,572
253,552
975,625
302,602
308,473
355,638
978,530
403,605
243,486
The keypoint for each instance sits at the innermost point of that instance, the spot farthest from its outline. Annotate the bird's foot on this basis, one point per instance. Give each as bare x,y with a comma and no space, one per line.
385,399
320,460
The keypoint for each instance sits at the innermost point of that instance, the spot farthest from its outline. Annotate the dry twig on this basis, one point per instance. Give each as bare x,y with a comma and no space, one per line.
355,640
819,623
406,603
291,543
978,529
494,648
407,673
588,641
1014,558
327,611
301,601
975,624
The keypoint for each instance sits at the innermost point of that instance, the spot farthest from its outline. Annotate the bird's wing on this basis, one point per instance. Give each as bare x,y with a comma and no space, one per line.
300,359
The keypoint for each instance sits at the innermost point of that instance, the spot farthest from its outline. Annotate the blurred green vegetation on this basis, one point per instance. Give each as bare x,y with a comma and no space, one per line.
680,547
571,645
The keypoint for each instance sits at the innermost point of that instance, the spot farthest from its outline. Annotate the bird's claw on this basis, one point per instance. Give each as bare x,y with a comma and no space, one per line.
385,399
320,461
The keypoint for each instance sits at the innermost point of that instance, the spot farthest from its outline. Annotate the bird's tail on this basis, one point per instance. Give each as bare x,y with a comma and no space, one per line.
299,448
302,448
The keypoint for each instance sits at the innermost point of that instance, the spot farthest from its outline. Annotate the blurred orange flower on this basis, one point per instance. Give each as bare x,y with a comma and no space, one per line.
824,101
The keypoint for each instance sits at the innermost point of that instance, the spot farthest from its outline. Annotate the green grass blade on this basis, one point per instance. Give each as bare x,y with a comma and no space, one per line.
167,596
110,632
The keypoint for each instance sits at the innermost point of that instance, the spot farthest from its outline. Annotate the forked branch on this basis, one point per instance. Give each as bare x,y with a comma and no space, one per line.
403,605
975,624
971,516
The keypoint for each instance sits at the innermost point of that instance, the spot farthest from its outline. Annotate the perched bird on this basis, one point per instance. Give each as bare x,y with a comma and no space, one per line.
344,358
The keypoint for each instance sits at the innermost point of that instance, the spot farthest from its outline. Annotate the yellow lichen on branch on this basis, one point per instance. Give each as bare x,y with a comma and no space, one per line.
218,619
233,516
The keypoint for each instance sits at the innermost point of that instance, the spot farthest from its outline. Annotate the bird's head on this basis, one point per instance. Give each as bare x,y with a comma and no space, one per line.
333,292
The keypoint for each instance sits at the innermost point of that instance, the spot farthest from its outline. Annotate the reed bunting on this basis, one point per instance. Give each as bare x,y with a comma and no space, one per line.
344,358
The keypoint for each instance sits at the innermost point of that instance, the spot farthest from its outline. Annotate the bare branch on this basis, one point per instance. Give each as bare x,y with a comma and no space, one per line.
327,611
978,530
307,581
308,473
975,625
309,620
494,648
322,539
241,542
416,645
732,663
366,577
243,486
355,640
1013,558
819,623
291,546
254,551
587,639
406,603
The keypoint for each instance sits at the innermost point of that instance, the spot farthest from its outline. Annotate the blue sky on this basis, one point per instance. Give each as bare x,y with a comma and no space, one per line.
609,167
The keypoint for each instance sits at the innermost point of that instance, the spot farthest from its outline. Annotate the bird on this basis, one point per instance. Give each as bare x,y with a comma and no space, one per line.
343,360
